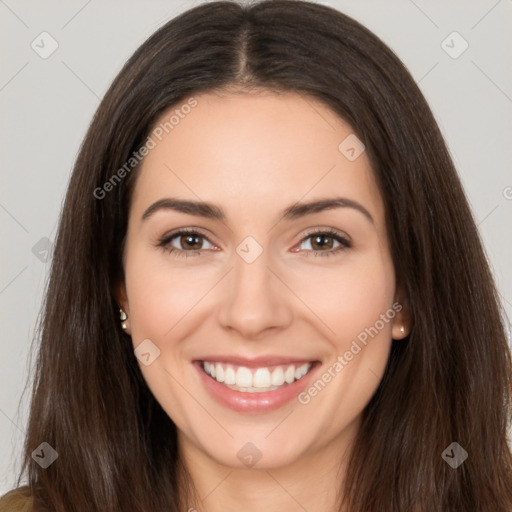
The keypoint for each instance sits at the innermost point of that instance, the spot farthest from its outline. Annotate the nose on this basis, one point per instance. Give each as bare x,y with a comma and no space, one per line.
255,301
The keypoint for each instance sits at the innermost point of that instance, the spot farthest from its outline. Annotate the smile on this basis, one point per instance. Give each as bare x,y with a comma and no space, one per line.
255,380
255,386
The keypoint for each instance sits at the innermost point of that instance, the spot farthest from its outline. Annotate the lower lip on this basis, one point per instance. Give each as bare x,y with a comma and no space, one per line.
266,401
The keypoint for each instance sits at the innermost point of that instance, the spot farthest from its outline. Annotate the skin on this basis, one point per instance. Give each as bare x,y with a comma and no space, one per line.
254,155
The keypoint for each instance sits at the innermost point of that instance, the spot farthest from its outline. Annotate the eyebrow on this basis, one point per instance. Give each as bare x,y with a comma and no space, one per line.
212,211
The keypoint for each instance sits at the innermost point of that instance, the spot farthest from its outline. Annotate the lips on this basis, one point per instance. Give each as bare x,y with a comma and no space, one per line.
250,392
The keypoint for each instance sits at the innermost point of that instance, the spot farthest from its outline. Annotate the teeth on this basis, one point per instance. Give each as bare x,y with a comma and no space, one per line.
261,378
243,377
257,380
278,377
219,373
230,376
289,376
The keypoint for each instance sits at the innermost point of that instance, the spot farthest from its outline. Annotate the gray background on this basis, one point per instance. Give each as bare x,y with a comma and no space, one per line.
47,104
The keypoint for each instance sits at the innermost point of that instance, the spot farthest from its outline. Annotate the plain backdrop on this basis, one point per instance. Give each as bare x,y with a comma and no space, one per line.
47,103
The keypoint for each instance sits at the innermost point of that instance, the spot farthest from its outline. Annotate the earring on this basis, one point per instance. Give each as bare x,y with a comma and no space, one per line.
123,317
402,329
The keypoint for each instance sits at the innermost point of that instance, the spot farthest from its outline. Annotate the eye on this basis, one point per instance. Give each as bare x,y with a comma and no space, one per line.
324,243
190,242
186,242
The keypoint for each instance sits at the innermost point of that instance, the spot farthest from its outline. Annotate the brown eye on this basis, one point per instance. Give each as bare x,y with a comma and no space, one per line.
324,243
193,242
185,241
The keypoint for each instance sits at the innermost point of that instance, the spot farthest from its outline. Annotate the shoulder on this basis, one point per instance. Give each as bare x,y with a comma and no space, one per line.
17,500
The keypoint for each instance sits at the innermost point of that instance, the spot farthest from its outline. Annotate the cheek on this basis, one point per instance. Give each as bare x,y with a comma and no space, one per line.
159,299
160,294
356,303
349,297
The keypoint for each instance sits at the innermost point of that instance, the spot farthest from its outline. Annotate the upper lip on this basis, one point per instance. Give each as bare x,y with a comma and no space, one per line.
255,362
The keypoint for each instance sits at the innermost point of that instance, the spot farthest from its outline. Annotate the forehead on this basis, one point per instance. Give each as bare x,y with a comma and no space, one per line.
259,151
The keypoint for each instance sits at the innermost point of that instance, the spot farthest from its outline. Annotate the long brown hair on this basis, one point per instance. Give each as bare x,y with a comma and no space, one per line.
450,381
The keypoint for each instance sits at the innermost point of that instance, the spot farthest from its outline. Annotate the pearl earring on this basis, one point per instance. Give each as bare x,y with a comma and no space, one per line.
123,317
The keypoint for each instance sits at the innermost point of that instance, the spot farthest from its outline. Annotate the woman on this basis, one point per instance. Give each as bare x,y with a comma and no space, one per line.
267,289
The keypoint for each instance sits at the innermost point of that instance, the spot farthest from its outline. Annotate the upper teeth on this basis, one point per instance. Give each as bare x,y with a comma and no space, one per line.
246,379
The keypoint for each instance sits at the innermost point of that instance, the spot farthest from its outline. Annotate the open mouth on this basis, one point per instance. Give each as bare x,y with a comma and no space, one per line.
256,380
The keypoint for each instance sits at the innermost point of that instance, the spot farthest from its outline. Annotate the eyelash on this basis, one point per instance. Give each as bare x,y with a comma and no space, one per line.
332,233
164,242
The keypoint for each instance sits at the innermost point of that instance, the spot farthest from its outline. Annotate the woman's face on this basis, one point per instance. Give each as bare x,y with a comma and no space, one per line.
285,268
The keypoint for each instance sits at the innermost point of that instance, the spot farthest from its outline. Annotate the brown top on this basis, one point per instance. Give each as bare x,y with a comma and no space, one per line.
17,500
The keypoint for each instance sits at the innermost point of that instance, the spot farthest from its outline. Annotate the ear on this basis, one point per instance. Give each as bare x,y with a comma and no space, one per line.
121,296
402,322
122,300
